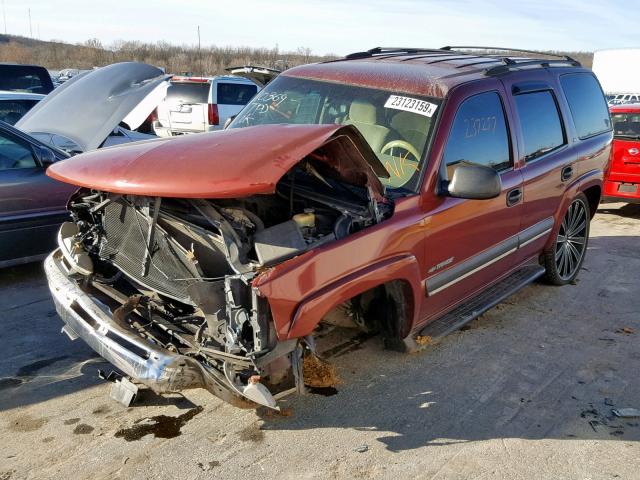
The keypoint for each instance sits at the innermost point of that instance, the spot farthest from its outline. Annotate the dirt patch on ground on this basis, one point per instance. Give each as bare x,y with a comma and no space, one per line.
102,410
252,433
26,423
318,373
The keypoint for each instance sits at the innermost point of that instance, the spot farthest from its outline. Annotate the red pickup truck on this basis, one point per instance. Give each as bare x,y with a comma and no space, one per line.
404,191
622,183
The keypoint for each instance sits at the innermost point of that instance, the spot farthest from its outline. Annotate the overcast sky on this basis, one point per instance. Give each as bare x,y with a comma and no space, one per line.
335,26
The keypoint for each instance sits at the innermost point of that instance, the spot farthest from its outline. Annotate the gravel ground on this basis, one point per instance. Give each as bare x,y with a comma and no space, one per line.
524,392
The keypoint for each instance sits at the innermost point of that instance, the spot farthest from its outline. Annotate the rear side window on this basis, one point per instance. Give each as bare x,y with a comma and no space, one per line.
25,78
479,135
189,92
586,101
235,93
13,110
540,122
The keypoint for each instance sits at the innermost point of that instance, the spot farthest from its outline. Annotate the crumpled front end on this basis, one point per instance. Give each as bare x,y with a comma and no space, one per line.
163,287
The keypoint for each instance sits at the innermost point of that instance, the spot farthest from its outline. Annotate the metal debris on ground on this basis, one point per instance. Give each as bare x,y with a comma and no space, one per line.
124,391
626,412
626,330
361,448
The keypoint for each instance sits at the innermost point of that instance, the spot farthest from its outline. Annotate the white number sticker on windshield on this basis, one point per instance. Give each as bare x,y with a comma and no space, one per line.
414,105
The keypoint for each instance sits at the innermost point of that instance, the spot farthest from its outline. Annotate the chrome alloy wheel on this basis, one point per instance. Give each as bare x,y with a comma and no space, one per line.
572,240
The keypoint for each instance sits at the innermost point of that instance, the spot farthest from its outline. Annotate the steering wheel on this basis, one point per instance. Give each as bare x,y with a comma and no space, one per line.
401,167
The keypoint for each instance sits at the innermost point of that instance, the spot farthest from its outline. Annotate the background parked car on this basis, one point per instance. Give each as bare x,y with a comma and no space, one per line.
14,105
623,178
83,114
200,104
98,108
32,205
25,78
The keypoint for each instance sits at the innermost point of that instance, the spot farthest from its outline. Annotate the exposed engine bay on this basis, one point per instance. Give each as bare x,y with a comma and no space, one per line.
179,272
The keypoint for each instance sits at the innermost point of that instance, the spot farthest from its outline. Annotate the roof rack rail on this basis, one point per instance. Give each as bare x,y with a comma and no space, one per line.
510,64
507,63
503,49
390,51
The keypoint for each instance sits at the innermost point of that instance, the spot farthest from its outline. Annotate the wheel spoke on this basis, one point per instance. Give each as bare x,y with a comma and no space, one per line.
563,260
571,261
578,240
574,251
574,217
578,228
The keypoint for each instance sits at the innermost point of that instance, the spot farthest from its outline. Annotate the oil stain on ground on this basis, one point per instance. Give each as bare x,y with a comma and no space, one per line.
324,391
31,369
83,429
160,426
9,382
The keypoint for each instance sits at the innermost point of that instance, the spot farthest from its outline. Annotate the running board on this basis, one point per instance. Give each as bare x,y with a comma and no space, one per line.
471,309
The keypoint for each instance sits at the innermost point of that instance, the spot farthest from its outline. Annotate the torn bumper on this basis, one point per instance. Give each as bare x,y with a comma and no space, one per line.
158,368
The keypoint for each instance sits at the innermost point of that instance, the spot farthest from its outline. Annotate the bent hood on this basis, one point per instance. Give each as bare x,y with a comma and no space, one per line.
86,108
225,164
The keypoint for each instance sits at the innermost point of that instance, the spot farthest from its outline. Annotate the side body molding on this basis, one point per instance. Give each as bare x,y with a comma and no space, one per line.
438,282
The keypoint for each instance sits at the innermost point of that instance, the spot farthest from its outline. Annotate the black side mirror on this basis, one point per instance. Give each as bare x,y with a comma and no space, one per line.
228,121
45,156
474,182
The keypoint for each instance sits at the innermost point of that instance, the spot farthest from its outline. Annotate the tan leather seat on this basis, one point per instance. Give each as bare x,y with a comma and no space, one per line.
363,115
412,128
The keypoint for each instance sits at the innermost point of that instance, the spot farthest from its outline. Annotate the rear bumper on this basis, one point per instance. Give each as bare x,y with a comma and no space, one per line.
614,192
91,320
165,132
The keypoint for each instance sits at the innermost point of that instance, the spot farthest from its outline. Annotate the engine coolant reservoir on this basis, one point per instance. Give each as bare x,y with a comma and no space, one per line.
306,219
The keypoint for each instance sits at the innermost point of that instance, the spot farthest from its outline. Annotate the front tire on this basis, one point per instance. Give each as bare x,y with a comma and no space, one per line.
563,261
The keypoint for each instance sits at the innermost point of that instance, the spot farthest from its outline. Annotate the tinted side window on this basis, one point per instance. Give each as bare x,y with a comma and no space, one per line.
586,101
479,134
540,123
235,93
14,153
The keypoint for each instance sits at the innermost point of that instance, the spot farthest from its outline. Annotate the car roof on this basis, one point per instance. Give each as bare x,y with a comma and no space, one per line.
430,72
12,64
226,78
11,95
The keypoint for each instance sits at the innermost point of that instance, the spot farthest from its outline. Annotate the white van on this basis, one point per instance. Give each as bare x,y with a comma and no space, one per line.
201,104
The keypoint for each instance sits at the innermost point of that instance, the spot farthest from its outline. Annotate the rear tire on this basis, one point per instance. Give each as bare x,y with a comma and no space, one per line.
563,261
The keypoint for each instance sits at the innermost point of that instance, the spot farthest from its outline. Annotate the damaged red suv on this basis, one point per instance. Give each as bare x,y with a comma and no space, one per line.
404,191
622,183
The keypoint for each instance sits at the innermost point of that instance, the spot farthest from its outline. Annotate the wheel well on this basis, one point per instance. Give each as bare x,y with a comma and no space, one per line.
593,196
387,308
